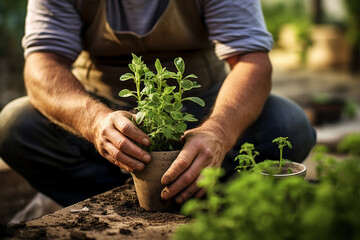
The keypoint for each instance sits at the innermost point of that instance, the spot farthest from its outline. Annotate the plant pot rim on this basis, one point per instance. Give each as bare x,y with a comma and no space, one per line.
300,173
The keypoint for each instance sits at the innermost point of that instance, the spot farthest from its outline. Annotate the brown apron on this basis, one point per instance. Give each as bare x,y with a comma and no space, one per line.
179,32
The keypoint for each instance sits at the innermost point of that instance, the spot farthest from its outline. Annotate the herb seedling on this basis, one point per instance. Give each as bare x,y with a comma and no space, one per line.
159,104
246,157
282,142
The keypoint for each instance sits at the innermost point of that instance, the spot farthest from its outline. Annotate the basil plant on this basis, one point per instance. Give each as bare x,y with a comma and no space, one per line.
159,104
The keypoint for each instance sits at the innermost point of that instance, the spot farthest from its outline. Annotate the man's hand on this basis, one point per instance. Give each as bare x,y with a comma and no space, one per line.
238,104
113,135
203,148
56,93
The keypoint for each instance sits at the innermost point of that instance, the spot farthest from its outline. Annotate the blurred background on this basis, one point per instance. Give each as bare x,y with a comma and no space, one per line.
316,61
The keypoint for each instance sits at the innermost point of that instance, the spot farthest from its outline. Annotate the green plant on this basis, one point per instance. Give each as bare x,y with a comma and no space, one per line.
350,144
12,19
351,108
159,104
253,207
280,13
246,157
282,142
353,33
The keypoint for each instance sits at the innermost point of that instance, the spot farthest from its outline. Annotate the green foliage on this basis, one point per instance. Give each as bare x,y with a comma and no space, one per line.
277,14
350,144
281,13
255,207
159,104
282,142
353,20
12,20
351,108
246,157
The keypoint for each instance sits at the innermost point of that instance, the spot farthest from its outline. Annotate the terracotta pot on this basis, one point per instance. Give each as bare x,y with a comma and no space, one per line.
297,170
148,181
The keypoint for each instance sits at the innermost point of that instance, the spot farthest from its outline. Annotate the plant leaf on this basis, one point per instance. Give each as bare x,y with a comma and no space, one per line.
131,66
172,75
186,84
166,131
154,97
195,100
191,76
126,93
149,74
177,96
169,108
126,76
189,118
178,106
168,90
176,115
179,64
140,117
158,66
181,127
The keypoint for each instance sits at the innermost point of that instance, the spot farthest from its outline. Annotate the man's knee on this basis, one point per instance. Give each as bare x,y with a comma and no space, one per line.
287,119
15,122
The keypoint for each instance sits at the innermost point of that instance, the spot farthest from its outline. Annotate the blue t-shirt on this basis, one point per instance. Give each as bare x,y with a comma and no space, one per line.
233,25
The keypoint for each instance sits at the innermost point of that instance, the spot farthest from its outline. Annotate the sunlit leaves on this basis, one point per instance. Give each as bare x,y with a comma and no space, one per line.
180,65
196,100
127,76
126,93
159,102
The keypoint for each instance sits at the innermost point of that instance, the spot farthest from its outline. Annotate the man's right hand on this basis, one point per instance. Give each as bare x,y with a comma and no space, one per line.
115,136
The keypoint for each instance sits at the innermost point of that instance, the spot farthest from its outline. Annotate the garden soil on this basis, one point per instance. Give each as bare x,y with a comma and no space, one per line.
112,215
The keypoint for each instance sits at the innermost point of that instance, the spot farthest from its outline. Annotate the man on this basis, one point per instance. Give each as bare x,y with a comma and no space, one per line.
72,133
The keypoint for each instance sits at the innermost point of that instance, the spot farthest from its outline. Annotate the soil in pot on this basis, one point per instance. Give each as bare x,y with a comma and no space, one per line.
148,182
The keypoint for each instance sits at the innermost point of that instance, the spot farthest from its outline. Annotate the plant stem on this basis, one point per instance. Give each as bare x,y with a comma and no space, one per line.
280,160
138,87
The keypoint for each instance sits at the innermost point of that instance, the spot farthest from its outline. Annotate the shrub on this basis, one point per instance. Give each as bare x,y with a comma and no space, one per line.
255,207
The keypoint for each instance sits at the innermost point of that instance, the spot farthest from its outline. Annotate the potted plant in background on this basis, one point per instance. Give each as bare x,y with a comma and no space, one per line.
280,168
159,115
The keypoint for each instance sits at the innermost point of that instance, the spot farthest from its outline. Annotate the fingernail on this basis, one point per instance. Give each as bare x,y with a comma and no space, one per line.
179,200
140,167
147,158
146,142
165,180
164,194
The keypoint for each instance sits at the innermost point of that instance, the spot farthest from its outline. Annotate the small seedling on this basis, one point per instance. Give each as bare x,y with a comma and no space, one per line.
246,157
282,142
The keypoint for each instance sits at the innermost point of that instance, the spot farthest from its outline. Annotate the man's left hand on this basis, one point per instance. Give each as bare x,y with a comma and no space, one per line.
203,148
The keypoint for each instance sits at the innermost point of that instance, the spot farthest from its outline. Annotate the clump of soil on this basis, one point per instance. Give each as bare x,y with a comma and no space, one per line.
112,215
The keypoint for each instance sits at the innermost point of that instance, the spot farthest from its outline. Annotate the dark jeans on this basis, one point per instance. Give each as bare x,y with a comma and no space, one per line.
68,169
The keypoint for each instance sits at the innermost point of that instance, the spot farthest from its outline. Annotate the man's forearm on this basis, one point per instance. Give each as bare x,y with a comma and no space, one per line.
242,95
56,93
